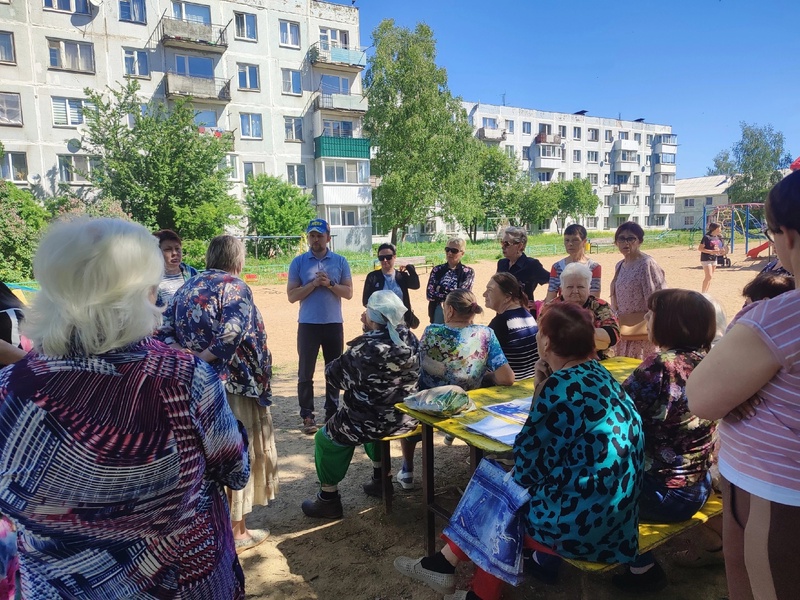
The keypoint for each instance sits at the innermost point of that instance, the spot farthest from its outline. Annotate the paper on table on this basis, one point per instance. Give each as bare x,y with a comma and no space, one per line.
516,410
498,429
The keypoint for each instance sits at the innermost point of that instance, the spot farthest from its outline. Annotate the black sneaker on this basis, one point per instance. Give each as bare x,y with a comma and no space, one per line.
652,580
374,488
547,571
317,508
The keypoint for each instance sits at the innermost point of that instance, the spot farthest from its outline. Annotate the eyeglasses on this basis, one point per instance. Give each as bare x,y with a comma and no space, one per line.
770,233
452,250
627,240
505,244
386,257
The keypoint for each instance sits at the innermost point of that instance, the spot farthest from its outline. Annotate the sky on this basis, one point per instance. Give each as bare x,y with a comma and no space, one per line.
701,66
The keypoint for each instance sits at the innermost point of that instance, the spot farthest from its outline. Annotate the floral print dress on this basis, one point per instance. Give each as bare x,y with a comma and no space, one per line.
633,283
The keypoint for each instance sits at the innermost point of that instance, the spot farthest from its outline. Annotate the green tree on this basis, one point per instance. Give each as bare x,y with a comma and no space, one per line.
157,165
723,165
538,203
756,161
275,207
560,199
420,132
22,223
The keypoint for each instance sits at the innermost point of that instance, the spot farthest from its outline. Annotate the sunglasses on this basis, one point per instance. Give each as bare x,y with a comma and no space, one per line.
386,257
627,240
507,244
452,250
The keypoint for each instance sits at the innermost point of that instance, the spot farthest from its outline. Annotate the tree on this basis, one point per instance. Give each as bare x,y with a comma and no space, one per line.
560,199
420,132
275,207
756,160
157,165
723,165
22,223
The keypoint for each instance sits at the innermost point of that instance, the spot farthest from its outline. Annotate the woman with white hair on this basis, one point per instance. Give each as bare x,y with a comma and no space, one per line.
377,371
214,316
114,447
576,280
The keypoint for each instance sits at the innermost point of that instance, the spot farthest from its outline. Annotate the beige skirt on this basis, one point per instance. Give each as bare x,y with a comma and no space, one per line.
263,483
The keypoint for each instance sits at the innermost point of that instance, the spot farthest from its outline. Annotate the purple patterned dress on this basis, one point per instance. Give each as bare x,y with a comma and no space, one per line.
633,283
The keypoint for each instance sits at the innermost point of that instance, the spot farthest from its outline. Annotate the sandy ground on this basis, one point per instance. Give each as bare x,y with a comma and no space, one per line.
351,559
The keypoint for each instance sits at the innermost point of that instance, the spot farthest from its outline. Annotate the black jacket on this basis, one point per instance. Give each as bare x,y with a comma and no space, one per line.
407,281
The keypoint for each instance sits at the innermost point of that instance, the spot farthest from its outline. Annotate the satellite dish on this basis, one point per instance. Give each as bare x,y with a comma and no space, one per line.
74,145
602,163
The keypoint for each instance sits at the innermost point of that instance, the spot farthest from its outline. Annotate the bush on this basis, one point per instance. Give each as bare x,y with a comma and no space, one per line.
194,253
21,225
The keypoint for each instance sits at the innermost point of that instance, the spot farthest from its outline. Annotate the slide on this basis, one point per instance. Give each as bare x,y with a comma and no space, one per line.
754,252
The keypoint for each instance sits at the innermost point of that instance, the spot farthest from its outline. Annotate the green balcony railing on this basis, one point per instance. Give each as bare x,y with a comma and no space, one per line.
340,147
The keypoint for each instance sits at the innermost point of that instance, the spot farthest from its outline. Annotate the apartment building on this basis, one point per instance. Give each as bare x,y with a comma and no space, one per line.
695,194
630,164
283,75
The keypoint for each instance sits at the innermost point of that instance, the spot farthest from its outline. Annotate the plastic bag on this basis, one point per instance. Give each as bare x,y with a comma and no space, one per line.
444,400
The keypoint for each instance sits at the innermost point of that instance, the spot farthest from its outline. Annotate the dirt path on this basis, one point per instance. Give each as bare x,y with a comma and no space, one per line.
352,559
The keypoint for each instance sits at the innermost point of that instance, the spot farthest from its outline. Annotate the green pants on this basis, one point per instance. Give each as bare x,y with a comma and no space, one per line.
333,460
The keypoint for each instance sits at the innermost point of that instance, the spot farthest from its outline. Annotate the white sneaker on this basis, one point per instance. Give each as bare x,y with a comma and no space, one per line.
405,479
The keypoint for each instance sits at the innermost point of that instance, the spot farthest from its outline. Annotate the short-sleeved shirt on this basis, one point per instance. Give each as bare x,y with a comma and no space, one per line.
529,272
761,455
710,242
558,268
322,305
516,331
465,353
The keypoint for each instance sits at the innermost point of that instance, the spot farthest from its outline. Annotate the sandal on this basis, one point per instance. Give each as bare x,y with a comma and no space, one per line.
256,537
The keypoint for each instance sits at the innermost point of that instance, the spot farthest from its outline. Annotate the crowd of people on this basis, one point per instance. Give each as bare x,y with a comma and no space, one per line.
136,433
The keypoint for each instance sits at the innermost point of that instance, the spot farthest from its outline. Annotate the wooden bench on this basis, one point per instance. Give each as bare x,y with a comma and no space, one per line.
386,465
419,262
595,246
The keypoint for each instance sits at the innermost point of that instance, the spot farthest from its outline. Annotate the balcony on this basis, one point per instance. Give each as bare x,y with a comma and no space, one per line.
621,165
620,145
199,88
547,163
177,33
663,188
546,138
491,135
660,208
622,187
659,167
337,194
340,147
665,142
344,102
620,207
332,56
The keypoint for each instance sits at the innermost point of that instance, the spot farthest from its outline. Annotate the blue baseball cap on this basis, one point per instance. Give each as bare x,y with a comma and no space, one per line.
318,225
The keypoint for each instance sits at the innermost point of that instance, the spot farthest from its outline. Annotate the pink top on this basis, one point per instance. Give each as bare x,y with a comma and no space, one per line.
762,455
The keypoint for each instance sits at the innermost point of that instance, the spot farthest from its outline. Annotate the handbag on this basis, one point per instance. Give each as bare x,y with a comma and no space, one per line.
411,319
487,523
633,327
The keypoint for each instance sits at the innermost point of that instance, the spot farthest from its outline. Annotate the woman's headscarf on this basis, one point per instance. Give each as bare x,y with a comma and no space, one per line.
385,308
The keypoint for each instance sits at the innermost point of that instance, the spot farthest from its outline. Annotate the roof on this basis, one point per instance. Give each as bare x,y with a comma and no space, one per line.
713,185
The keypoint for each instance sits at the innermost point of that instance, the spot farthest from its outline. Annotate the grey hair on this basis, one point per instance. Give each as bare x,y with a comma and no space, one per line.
518,234
576,269
98,279
225,253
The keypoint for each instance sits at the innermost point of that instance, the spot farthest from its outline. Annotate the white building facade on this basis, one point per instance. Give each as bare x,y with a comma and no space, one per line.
631,165
696,194
283,75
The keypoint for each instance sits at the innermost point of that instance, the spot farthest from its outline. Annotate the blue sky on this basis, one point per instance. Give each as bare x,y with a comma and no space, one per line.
701,66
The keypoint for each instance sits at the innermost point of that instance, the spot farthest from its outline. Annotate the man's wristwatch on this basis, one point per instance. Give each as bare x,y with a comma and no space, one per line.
332,284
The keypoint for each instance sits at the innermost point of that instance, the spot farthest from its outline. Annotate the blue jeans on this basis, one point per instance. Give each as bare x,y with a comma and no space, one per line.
660,504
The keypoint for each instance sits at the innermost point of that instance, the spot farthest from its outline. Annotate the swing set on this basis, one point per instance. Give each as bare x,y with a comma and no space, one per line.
746,220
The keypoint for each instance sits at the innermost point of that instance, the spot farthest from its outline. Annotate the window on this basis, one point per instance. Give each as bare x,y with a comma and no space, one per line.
231,162
136,64
489,123
576,133
667,138
345,171
620,179
606,200
74,6
333,38
649,139
291,82
635,219
296,175
194,66
668,178
252,169
562,130
10,109
607,156
591,222
624,199
561,176
609,136
526,127
576,156
545,128
245,26
628,155
637,137
544,226
333,84
73,168
290,34
709,201
665,158
509,126
526,153
205,118
187,11
647,160
548,151
605,222
666,199
688,202
576,176
68,112
605,179
15,167
592,178
510,151
688,221
544,176
133,10
332,128
294,128
658,220
623,135
248,77
591,156
7,54
71,56
349,216
251,126
593,134
636,180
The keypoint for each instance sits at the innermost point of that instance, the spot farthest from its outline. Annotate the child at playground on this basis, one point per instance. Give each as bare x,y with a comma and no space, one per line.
710,247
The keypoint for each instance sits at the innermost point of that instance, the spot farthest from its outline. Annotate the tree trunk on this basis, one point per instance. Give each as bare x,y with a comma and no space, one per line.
393,240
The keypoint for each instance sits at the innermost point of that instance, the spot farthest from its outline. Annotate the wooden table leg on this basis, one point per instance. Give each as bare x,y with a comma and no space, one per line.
427,489
475,457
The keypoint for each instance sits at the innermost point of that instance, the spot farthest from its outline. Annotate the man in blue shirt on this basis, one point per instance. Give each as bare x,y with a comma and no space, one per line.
318,279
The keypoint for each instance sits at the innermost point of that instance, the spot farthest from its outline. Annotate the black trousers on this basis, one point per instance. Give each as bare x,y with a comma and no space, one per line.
310,337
